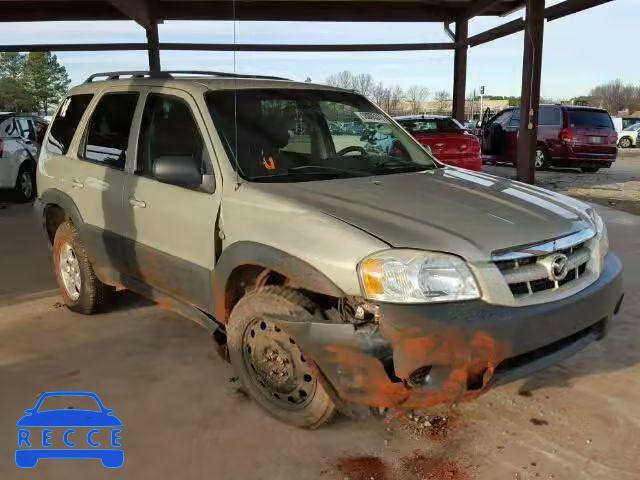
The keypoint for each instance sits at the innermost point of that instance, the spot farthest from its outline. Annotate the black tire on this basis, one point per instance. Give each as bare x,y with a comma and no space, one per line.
589,169
92,296
541,159
25,188
625,142
307,405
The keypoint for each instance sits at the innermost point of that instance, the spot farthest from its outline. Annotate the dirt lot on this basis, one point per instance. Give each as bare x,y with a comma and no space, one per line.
185,418
617,187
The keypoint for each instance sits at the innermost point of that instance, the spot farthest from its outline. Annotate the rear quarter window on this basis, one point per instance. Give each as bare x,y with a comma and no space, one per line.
550,116
589,119
66,122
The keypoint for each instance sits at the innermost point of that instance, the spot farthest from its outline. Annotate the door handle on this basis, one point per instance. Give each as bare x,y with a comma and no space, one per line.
75,183
134,202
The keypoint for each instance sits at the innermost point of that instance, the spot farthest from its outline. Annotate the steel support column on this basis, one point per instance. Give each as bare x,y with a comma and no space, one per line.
153,47
530,96
460,69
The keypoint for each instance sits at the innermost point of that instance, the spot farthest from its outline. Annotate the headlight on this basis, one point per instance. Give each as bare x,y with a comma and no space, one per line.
414,276
601,234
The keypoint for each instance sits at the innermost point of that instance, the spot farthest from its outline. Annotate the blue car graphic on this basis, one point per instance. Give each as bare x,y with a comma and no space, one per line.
31,448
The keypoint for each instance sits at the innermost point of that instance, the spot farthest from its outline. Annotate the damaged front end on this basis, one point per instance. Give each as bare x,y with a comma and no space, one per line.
417,356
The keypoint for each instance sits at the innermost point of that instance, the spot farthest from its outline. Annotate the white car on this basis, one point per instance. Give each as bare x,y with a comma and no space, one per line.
629,136
19,147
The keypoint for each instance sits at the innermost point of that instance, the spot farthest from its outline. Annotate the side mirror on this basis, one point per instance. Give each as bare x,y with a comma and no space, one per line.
478,124
182,171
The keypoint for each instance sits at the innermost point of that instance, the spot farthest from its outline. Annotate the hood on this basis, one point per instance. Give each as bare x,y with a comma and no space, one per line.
447,209
69,418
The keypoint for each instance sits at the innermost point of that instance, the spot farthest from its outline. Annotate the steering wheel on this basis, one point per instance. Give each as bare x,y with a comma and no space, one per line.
352,148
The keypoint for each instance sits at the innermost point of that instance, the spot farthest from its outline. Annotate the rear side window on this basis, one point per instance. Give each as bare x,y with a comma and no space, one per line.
589,119
65,124
107,134
168,129
550,116
515,118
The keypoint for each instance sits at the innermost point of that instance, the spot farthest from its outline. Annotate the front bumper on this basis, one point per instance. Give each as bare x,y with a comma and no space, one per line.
422,355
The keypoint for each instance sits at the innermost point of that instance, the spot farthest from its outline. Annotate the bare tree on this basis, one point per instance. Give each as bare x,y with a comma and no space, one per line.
344,79
363,83
380,95
416,95
396,97
442,99
615,96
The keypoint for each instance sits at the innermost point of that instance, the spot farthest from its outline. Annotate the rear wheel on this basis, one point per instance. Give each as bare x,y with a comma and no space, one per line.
625,142
589,169
25,188
541,161
81,289
269,362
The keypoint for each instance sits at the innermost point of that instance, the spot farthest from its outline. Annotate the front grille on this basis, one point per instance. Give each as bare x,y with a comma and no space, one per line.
527,270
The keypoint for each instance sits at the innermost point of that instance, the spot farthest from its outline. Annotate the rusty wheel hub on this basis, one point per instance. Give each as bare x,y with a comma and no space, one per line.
277,366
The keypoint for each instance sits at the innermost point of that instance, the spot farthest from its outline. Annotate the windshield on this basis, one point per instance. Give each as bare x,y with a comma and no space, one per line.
430,125
632,128
293,135
589,119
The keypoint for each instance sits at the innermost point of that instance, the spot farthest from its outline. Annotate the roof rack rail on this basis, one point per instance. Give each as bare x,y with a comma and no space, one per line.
166,74
131,73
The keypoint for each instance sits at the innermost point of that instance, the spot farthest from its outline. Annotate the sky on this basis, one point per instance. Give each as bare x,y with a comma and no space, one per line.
580,51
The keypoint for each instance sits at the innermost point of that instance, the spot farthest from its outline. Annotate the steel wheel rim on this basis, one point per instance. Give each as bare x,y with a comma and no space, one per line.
26,184
539,162
276,366
69,269
625,143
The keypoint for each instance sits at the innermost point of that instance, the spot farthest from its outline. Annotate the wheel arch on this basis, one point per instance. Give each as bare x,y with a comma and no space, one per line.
58,207
254,263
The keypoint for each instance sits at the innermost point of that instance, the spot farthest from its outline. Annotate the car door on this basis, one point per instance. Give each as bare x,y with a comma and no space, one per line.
511,132
27,132
170,229
549,128
97,175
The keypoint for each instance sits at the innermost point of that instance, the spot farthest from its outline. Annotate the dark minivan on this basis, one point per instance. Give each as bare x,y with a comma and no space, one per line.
568,136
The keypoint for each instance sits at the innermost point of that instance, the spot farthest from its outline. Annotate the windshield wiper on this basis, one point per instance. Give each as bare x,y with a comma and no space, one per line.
326,169
397,162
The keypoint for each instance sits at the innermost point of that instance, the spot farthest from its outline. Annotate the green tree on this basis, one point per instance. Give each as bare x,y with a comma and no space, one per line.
14,97
45,78
12,65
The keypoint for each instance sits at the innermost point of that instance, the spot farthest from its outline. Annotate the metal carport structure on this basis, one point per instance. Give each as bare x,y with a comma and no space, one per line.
148,13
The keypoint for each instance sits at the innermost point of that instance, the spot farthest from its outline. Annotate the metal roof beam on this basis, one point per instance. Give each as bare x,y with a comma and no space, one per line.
228,47
137,10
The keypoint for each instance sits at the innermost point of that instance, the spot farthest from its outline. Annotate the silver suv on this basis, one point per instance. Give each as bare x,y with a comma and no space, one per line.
338,269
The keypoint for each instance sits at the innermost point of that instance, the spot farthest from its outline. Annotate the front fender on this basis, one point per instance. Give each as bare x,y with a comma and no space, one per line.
252,253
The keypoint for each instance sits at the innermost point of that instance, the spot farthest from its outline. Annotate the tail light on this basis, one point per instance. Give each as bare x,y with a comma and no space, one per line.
475,146
566,136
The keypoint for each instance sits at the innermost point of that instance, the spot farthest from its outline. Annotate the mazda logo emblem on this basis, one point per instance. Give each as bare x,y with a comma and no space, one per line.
558,267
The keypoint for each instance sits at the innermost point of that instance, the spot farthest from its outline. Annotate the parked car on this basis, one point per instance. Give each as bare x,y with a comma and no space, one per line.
19,146
568,136
629,136
449,141
355,276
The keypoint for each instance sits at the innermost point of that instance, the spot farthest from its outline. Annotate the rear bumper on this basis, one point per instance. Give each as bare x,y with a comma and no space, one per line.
423,355
588,154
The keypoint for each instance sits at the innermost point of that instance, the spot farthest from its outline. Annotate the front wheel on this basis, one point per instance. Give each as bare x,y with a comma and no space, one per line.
625,142
269,362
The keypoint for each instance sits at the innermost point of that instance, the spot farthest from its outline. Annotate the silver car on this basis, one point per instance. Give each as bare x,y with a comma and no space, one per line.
337,271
